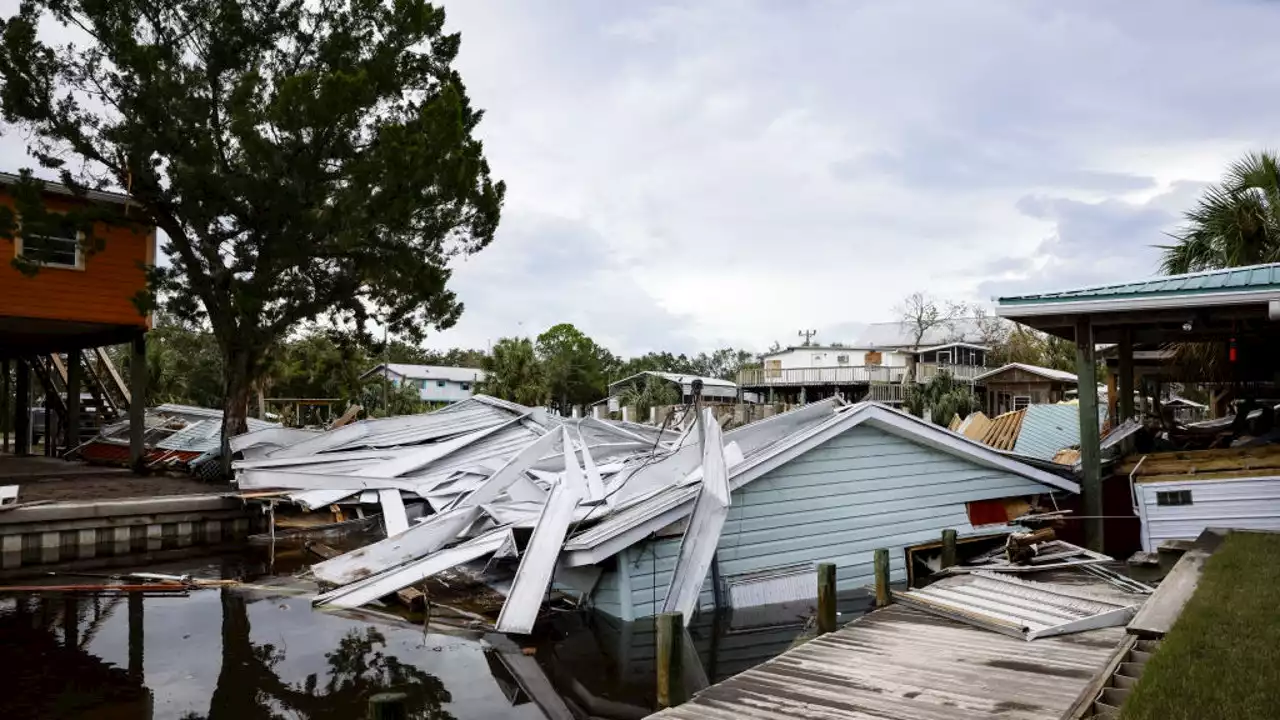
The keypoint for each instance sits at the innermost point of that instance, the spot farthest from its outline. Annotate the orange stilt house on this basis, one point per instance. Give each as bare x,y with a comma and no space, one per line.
69,277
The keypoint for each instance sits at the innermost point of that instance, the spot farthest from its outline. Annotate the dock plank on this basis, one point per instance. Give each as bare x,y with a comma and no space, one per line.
900,663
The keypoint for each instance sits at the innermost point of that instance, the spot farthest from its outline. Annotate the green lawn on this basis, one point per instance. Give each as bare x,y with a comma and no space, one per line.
1222,657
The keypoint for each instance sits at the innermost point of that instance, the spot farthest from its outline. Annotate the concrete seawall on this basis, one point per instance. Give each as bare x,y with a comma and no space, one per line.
63,532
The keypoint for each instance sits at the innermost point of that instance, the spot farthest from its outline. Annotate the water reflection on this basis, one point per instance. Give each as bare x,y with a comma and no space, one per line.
159,657
237,654
249,687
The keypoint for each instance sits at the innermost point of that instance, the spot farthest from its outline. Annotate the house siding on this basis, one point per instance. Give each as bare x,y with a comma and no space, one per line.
1245,504
862,490
101,292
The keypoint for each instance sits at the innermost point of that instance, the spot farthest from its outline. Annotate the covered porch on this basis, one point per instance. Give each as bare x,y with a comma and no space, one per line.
1235,313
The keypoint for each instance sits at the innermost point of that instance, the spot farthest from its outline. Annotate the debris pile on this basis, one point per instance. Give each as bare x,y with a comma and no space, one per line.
488,481
176,437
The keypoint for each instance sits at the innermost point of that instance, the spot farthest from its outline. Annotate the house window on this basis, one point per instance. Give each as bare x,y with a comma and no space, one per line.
57,245
944,358
439,383
842,359
466,386
1173,497
1021,401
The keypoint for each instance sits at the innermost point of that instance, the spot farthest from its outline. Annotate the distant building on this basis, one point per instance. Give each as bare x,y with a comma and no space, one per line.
1018,385
874,368
714,390
435,384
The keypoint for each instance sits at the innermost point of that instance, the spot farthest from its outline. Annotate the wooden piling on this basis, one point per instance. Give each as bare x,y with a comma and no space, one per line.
826,598
948,548
389,706
670,628
882,577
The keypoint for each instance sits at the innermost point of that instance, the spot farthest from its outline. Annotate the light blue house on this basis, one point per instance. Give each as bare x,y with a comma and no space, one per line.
435,384
835,490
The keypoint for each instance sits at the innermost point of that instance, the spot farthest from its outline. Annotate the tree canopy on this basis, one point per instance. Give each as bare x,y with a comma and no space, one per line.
1235,223
303,160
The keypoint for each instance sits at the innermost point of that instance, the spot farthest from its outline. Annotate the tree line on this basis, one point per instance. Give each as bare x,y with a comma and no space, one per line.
560,368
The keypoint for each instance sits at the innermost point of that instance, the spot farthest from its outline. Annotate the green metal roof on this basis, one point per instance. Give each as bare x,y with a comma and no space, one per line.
1253,278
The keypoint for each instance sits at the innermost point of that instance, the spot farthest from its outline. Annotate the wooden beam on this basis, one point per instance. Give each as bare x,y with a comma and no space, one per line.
1125,372
22,413
6,408
1090,451
826,598
74,376
137,400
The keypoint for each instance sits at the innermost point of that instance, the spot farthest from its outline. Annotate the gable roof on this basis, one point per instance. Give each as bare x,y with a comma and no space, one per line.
1047,373
1227,286
957,343
631,524
429,372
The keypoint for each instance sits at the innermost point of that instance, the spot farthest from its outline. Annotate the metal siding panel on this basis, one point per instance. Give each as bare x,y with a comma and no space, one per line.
605,597
1248,504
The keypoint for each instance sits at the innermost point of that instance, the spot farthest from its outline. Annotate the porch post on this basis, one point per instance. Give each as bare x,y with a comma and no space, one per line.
22,413
72,420
5,406
1126,374
1090,452
137,399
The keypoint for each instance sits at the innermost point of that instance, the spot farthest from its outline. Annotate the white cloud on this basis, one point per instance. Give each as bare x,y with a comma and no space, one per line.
689,174
754,168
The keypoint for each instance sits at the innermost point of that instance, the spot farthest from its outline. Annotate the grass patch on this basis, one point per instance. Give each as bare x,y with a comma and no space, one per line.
1221,659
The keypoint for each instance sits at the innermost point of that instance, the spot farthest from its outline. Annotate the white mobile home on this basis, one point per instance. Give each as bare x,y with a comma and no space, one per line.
864,478
1178,495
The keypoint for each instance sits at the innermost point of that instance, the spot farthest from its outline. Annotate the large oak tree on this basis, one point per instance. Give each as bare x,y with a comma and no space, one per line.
304,159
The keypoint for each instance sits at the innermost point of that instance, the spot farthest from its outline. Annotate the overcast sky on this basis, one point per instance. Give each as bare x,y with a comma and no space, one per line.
687,175
683,175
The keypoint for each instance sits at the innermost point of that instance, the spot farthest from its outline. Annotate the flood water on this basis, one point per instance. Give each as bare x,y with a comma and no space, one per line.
262,653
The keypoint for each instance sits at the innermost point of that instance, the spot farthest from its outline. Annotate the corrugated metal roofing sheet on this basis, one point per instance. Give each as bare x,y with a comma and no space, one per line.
1046,429
1017,607
905,664
205,435
1255,277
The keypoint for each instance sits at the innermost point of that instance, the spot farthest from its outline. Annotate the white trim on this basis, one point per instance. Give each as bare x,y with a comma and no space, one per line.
1137,302
958,343
80,255
1044,372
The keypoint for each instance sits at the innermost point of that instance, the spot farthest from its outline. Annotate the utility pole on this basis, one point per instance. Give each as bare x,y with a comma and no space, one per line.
807,335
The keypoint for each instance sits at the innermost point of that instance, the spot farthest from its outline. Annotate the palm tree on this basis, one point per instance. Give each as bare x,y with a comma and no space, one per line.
1235,223
512,372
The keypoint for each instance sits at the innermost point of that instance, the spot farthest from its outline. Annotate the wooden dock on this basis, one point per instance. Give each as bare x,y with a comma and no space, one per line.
904,664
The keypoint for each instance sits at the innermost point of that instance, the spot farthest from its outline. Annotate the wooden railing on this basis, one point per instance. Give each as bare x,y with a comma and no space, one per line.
848,375
845,375
959,372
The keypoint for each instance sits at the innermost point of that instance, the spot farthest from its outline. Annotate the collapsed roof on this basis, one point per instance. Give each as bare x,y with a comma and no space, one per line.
586,488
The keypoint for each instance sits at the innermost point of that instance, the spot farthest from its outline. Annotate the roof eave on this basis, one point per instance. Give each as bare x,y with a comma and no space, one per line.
1127,303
